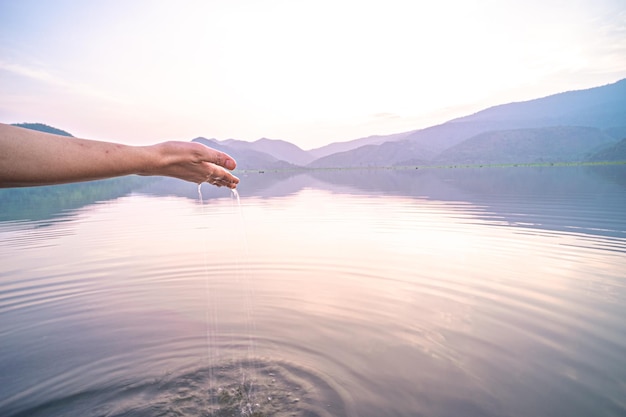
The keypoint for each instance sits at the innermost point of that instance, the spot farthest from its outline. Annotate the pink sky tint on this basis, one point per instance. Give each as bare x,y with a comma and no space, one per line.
310,72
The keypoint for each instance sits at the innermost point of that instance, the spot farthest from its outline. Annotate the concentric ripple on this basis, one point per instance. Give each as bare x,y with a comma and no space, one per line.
235,389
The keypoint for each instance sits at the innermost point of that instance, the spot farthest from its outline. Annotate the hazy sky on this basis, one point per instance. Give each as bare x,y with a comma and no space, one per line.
311,72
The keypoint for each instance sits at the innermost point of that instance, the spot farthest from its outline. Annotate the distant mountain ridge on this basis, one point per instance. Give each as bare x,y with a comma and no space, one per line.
337,147
279,149
601,108
247,156
570,126
532,145
42,128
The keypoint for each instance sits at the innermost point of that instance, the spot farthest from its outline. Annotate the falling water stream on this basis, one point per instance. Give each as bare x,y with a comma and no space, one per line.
244,386
229,397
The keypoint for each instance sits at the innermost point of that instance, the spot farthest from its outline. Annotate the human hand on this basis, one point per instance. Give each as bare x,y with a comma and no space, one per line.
193,162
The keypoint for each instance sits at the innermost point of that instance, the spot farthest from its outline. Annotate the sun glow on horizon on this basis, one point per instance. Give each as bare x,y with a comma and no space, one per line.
308,72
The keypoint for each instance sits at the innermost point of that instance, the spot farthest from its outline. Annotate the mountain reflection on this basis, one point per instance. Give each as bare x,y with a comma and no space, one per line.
553,198
48,202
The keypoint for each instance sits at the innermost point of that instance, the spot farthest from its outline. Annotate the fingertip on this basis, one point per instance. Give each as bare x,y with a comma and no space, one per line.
230,164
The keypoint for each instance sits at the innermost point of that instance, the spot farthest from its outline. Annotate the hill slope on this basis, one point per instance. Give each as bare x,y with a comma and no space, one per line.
611,153
246,158
548,144
337,147
43,128
279,149
601,107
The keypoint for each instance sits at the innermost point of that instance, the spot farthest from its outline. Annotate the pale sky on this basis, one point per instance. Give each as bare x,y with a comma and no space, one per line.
310,72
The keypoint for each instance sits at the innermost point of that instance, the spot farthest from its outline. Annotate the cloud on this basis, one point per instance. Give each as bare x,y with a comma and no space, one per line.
36,74
49,79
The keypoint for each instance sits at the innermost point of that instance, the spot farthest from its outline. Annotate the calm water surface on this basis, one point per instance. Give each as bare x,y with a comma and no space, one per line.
447,292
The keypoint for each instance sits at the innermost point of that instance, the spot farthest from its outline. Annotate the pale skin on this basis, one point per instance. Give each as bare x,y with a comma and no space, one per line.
30,158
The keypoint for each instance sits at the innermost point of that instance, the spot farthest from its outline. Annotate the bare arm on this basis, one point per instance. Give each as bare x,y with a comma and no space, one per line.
29,158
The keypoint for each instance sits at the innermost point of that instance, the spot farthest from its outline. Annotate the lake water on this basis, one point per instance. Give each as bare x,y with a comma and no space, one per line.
431,292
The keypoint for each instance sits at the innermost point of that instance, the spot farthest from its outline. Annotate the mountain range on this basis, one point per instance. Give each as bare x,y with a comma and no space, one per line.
582,125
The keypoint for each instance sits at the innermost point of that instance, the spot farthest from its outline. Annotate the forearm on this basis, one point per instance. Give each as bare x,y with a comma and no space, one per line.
30,158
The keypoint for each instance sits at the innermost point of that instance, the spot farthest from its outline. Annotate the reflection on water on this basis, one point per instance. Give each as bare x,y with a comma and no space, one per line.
338,293
47,202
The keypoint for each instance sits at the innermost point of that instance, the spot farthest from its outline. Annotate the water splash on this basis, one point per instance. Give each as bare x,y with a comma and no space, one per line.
283,389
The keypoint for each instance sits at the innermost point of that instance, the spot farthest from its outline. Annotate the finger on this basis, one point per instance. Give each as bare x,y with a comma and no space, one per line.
222,178
222,183
222,159
226,182
216,171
